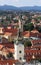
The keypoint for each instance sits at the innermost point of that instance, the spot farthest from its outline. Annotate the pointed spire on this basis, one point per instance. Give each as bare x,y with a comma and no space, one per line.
19,24
20,29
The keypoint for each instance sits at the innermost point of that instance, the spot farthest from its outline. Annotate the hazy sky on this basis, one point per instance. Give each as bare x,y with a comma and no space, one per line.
19,3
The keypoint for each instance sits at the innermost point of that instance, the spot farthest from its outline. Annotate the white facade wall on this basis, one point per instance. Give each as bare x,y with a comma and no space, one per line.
18,48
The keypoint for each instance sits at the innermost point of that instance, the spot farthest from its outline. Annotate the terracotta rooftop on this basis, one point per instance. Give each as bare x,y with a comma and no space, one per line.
1,46
32,51
8,45
4,40
8,33
26,34
7,50
36,47
1,33
36,41
35,31
10,62
31,34
10,30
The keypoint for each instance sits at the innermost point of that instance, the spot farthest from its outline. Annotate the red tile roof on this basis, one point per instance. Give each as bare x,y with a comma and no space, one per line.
36,46
36,41
31,34
9,45
10,62
35,31
1,33
10,30
1,46
32,51
26,34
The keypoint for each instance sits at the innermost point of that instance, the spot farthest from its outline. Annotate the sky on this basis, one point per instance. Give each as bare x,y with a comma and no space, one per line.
20,3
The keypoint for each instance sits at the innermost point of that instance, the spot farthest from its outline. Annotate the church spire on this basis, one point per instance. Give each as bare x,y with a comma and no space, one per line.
19,37
20,29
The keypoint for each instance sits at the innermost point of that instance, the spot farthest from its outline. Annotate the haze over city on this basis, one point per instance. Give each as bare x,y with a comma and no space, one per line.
20,3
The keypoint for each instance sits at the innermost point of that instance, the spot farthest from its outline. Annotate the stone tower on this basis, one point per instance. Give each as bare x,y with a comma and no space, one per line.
19,46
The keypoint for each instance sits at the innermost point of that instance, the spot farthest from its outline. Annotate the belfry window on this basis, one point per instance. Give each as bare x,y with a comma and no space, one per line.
20,51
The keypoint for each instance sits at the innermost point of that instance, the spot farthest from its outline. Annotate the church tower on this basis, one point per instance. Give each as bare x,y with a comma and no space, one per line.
19,46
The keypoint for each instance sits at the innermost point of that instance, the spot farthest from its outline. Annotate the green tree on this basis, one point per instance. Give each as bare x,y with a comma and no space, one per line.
28,27
38,28
10,55
8,18
15,21
27,44
2,21
39,60
39,17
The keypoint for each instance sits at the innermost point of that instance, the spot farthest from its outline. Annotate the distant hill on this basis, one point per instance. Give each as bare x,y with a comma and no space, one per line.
26,8
7,7
31,8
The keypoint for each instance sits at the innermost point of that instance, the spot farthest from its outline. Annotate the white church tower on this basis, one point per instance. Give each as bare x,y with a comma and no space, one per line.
19,51
19,46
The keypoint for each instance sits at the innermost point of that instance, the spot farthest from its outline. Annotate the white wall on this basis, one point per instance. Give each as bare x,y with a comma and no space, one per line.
19,47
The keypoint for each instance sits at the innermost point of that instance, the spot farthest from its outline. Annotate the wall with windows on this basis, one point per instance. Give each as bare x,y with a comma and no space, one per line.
19,52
